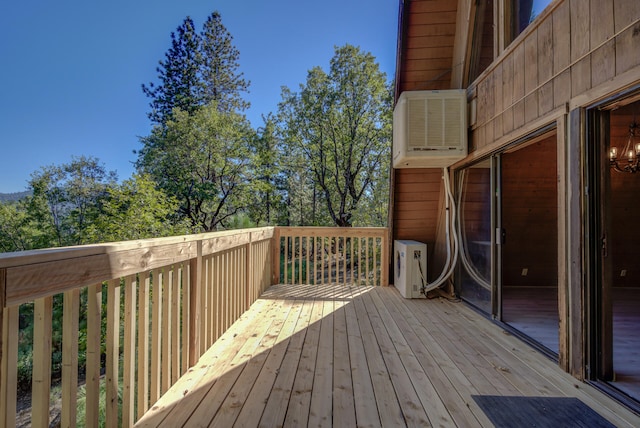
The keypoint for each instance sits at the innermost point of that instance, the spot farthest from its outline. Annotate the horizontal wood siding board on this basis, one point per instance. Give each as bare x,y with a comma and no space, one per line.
431,6
441,29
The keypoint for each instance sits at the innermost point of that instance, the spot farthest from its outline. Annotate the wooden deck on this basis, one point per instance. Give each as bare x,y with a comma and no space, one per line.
362,356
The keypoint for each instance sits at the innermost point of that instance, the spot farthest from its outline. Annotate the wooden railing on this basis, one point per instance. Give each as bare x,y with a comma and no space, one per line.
325,255
149,309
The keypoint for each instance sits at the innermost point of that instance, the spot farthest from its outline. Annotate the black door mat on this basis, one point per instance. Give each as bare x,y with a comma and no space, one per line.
539,412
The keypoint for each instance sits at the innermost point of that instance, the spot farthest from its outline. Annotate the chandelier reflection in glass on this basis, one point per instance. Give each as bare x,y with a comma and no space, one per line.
628,160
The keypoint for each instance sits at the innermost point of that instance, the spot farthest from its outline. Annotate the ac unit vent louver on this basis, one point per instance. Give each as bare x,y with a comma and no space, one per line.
429,129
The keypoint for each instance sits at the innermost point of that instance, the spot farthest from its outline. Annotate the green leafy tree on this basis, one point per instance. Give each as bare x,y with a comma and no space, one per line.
266,178
198,69
66,199
135,209
16,231
341,122
202,160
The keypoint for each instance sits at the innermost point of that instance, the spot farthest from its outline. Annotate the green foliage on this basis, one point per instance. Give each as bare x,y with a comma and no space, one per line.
66,199
180,86
267,204
16,230
202,160
136,209
222,80
340,124
198,69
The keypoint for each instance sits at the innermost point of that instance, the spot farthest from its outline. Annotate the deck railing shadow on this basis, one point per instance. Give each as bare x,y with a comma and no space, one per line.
215,391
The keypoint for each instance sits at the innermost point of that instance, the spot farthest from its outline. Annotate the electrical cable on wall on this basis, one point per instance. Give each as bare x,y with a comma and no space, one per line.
455,241
451,238
464,252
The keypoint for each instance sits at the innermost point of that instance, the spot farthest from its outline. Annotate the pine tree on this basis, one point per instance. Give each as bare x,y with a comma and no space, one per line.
198,69
180,83
220,68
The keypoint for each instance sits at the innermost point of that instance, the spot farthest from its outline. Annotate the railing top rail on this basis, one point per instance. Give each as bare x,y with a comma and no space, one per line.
21,258
332,231
26,276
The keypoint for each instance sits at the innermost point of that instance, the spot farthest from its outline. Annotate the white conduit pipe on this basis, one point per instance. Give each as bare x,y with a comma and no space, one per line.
451,238
469,267
456,245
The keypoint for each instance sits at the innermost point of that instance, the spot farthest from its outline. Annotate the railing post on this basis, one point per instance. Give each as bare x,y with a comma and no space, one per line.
3,373
195,286
7,405
384,271
249,273
275,256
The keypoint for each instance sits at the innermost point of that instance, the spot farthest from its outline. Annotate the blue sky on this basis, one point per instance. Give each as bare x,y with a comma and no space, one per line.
71,70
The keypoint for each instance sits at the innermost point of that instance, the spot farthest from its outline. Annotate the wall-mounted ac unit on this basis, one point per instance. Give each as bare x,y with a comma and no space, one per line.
410,265
430,129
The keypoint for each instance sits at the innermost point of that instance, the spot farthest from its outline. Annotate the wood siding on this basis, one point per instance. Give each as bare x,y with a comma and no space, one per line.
580,50
427,51
416,206
426,57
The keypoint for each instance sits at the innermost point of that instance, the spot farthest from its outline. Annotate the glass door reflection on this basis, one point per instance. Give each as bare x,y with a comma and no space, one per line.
474,220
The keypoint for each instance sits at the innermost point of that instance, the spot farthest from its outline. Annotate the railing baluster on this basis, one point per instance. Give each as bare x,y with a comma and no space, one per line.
375,262
9,392
175,325
211,306
165,365
128,381
322,260
93,360
143,343
113,351
156,335
41,362
226,297
195,287
70,328
286,259
315,260
217,312
353,261
300,261
185,317
368,263
308,270
344,260
204,303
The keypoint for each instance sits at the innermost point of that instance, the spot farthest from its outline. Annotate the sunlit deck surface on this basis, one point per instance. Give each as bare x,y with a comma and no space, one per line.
363,356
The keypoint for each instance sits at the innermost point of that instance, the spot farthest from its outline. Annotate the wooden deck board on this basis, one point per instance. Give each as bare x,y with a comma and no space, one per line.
347,356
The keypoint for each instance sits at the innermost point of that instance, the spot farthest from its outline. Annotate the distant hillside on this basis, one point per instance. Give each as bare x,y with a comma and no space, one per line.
11,197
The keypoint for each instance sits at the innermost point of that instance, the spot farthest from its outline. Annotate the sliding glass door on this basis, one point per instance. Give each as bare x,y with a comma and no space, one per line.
475,220
507,219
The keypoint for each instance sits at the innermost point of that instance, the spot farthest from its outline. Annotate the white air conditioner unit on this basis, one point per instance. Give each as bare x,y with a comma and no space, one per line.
430,129
410,264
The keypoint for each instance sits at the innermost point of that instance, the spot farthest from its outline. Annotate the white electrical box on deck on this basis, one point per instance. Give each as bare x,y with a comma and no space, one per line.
410,265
